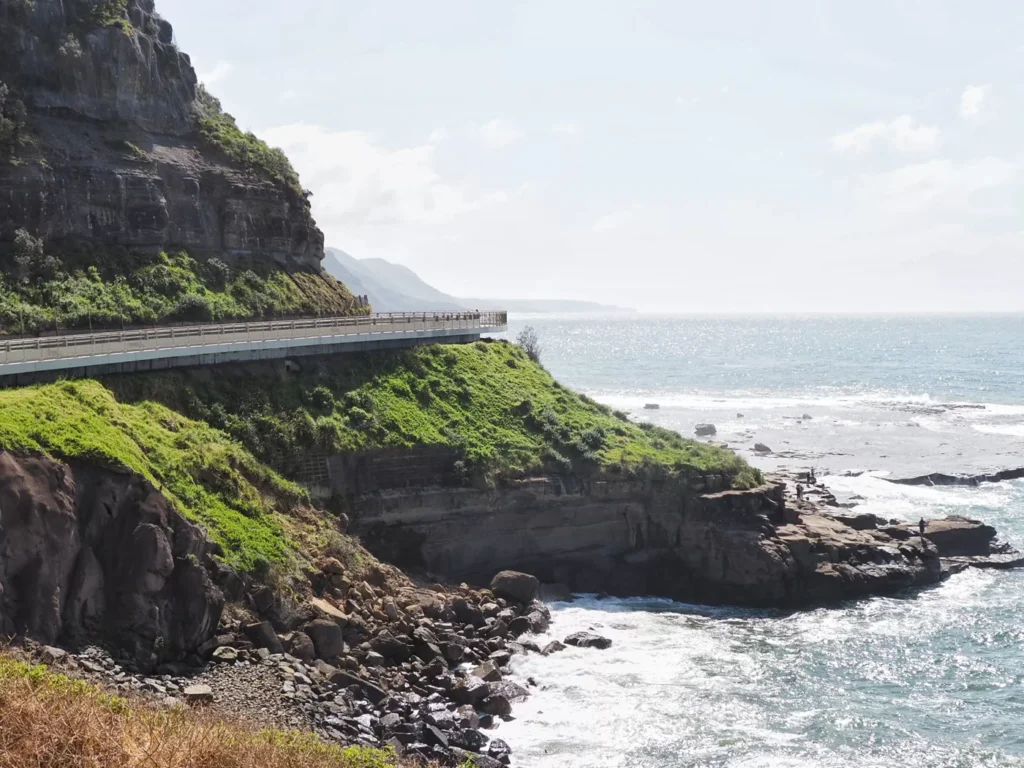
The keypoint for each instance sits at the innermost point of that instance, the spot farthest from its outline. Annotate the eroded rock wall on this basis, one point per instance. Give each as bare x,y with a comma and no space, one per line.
632,538
112,153
90,554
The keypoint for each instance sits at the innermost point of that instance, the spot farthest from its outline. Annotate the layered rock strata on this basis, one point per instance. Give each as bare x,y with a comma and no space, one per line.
752,548
104,143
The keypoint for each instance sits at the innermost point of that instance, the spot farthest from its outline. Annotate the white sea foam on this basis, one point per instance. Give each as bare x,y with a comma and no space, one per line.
758,401
1014,430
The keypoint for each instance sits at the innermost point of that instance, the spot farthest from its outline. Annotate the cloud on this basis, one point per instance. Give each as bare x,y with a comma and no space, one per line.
901,134
219,72
565,128
360,185
616,219
498,133
935,185
972,100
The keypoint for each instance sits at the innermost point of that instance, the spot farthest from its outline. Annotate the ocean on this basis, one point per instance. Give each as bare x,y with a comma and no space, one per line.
929,678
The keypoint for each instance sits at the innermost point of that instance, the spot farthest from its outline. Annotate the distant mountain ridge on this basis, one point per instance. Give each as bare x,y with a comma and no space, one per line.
395,288
389,287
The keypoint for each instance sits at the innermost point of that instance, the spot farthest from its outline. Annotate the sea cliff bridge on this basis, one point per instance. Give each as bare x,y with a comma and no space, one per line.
24,359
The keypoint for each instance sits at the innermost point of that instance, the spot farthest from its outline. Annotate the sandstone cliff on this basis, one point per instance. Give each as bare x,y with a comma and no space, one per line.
105,136
637,538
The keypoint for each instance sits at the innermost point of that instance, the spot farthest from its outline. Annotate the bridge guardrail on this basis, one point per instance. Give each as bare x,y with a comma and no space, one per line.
23,349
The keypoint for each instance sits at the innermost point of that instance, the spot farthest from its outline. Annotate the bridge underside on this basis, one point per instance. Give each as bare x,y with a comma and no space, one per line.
23,374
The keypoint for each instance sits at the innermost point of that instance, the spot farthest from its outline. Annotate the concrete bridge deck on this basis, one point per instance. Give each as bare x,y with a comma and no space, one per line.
25,359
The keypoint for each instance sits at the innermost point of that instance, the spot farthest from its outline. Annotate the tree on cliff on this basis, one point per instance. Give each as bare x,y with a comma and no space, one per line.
530,342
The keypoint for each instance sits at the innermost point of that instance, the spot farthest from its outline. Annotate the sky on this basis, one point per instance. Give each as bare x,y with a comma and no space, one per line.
669,155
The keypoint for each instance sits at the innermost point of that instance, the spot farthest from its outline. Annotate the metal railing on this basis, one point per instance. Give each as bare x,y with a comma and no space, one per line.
26,349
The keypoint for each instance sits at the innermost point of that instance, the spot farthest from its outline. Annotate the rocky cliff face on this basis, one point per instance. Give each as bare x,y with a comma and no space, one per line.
90,554
103,143
633,538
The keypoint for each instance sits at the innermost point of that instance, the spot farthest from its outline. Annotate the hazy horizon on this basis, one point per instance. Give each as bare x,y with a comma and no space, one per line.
811,158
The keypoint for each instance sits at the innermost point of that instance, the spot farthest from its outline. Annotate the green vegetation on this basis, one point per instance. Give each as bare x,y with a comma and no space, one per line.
219,129
112,13
89,287
13,116
502,413
207,476
134,153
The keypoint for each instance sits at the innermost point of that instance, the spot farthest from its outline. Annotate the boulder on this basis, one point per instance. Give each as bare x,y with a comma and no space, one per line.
498,628
513,585
488,672
328,611
705,430
433,736
761,448
467,612
262,635
539,622
375,694
959,536
499,751
499,659
588,640
198,694
508,689
52,655
327,638
553,647
301,647
472,690
496,705
225,654
391,647
519,626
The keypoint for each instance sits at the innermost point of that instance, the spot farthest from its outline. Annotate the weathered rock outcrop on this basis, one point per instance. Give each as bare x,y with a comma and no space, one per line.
633,538
95,554
111,151
939,478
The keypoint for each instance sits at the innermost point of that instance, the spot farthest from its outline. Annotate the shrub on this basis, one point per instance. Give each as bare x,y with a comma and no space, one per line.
593,438
192,308
217,273
322,399
70,48
33,262
529,342
13,116
219,129
112,13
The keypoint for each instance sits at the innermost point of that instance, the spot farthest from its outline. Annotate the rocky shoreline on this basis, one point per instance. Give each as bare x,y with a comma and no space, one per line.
424,668
422,671
955,543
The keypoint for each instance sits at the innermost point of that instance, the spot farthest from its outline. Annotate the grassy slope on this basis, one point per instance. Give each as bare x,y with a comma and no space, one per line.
210,478
108,288
505,414
47,719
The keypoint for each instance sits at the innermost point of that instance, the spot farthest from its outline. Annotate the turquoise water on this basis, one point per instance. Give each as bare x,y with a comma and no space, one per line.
932,678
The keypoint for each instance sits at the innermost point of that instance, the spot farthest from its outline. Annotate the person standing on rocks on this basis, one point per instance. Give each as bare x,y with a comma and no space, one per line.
921,526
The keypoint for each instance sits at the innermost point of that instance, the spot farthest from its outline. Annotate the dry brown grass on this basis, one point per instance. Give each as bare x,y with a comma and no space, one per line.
50,721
